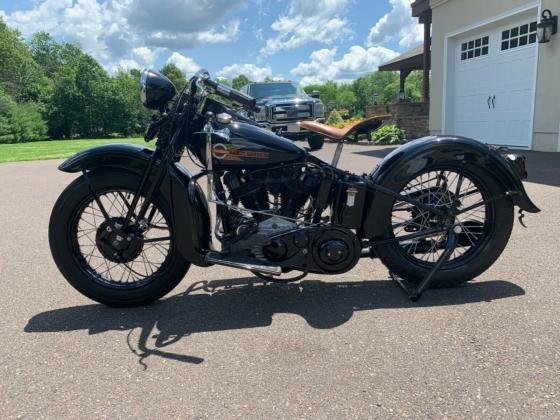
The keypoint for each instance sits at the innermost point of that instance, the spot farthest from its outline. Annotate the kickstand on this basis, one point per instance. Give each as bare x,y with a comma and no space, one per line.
414,295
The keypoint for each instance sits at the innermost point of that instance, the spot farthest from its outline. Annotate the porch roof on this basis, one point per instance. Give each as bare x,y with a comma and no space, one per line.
410,60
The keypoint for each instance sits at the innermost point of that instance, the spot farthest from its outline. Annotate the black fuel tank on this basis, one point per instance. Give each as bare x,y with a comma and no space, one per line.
242,145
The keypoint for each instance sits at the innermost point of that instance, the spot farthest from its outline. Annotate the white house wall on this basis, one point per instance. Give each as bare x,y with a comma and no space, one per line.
453,16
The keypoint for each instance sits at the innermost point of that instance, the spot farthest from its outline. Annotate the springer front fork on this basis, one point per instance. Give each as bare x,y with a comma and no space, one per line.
211,182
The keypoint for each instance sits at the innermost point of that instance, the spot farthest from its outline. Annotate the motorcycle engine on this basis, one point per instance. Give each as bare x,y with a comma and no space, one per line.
270,197
280,191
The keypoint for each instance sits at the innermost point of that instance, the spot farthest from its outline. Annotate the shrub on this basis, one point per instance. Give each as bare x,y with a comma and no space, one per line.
388,134
335,118
20,122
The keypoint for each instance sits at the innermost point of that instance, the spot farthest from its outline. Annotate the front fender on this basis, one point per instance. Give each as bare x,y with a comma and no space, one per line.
189,206
400,165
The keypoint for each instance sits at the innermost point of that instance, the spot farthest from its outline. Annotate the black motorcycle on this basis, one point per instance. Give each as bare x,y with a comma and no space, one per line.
437,211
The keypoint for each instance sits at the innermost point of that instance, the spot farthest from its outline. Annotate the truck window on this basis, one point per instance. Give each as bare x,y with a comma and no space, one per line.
268,90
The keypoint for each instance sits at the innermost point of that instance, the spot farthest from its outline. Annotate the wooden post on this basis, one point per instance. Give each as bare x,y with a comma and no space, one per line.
426,59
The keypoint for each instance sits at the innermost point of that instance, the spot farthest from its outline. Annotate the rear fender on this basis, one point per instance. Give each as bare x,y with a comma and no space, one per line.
400,165
188,204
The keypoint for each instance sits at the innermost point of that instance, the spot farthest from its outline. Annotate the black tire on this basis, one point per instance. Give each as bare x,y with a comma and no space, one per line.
67,254
316,142
484,252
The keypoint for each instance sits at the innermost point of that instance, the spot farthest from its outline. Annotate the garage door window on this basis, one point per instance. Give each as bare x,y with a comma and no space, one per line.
519,36
475,48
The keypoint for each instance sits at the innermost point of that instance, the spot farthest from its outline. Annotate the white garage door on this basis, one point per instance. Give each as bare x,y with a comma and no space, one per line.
494,85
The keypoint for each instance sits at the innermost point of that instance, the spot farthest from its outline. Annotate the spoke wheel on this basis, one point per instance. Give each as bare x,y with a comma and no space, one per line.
102,259
485,225
140,253
443,190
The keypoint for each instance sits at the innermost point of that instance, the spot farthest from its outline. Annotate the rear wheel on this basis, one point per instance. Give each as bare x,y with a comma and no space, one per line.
316,142
485,229
108,267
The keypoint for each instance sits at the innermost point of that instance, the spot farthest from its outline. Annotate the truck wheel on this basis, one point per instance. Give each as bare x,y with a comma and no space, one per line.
316,142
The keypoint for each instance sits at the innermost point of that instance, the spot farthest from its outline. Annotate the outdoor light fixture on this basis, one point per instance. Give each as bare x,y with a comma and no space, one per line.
376,98
547,27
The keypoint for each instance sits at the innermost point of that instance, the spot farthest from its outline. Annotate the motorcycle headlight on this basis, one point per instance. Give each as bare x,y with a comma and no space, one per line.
319,110
155,89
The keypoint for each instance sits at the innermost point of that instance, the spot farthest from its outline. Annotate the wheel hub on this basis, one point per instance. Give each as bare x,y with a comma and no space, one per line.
117,245
442,200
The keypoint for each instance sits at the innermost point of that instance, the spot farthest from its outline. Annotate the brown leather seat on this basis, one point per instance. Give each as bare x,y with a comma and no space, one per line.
369,124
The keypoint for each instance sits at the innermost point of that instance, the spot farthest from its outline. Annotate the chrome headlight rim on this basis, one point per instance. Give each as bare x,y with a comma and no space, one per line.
143,86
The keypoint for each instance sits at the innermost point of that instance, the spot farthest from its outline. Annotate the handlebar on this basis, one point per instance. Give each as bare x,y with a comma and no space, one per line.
236,96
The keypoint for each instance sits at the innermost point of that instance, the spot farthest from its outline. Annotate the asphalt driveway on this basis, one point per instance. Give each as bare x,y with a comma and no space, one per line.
223,345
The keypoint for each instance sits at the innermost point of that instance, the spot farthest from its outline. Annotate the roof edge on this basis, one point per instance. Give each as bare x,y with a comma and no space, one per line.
437,3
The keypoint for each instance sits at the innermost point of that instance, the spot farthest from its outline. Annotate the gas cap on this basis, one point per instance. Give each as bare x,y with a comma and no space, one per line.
223,118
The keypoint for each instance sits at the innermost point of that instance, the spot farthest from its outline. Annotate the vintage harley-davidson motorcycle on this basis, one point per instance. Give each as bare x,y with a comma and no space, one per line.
437,211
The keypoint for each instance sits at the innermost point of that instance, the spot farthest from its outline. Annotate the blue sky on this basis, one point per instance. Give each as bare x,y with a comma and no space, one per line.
306,40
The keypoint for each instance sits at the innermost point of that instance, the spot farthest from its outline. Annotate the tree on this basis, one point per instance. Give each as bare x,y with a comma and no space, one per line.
174,73
81,92
385,84
20,76
240,81
46,52
334,95
94,86
414,86
327,90
125,113
346,99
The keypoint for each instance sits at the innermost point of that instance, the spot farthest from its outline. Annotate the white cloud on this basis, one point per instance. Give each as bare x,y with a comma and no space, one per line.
177,40
253,72
186,64
308,21
127,31
146,55
125,64
229,32
356,62
397,24
178,16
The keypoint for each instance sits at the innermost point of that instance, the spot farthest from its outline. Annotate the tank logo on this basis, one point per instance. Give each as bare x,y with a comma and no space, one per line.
233,152
219,151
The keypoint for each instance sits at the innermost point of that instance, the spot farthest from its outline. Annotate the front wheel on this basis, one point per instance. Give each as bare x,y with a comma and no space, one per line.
485,227
104,265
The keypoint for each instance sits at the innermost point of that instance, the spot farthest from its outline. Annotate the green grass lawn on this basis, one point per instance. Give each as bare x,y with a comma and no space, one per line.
56,149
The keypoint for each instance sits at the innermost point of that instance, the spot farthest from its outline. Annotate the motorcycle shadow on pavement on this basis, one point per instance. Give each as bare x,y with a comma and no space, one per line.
250,303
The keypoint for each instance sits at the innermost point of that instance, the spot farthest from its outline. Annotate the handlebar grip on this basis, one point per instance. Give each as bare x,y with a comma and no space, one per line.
247,101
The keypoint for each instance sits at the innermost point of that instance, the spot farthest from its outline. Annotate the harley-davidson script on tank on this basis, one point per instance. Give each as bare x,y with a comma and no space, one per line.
236,152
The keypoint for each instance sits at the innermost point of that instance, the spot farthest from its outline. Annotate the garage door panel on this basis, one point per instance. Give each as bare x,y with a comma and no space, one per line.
517,104
506,76
507,132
